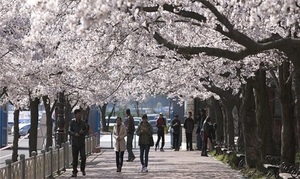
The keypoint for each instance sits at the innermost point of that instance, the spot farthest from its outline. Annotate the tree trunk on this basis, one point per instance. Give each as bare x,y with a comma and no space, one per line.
288,144
60,132
34,115
49,123
228,107
217,117
103,120
249,126
296,82
68,118
263,114
16,136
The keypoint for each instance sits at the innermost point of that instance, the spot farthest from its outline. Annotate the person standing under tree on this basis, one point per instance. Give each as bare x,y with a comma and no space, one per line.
161,124
176,125
201,119
119,135
205,135
144,131
78,131
129,123
189,126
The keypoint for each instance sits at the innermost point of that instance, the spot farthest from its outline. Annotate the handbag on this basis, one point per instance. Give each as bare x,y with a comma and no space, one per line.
151,141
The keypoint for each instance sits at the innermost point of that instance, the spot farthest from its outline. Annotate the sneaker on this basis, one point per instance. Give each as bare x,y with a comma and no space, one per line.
145,169
83,173
142,169
162,150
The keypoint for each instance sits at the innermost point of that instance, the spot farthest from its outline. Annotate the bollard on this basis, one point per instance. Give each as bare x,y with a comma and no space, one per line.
33,153
22,158
8,163
44,163
51,162
58,157
65,152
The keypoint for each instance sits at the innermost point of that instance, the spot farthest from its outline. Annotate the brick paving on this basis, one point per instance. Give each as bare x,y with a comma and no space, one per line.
168,164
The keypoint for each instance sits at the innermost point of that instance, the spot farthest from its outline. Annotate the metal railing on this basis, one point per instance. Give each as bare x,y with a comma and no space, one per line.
46,164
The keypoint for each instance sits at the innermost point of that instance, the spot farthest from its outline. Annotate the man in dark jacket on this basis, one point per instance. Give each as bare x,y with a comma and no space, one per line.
176,125
189,127
161,124
201,119
78,131
129,123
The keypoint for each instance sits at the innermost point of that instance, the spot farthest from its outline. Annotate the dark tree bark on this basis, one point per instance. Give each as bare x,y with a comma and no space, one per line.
68,118
249,126
34,115
60,131
103,120
16,136
263,114
217,116
288,141
297,104
49,122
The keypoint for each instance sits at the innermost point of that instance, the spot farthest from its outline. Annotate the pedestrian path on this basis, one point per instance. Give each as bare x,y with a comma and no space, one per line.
168,164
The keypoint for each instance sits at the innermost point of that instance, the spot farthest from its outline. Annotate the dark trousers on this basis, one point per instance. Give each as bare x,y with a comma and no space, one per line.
119,159
199,141
204,144
189,143
176,141
129,146
75,151
162,137
144,153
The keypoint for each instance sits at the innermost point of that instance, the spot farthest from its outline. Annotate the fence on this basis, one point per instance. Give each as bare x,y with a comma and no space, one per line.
46,164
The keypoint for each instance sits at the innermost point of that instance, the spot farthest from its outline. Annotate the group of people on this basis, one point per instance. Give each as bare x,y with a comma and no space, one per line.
79,129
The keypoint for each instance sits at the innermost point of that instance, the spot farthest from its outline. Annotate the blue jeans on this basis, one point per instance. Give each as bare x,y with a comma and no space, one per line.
144,150
129,146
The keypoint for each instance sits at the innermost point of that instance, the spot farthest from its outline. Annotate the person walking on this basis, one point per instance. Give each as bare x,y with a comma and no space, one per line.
201,119
145,132
205,135
189,126
119,132
176,125
161,124
129,123
78,131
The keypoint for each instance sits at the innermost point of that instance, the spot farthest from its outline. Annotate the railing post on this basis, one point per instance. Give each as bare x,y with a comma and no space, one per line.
22,158
57,158
33,153
8,163
67,155
51,161
44,163
65,152
111,143
90,144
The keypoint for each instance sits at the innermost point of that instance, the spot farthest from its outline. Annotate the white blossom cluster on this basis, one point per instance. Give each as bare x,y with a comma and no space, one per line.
99,51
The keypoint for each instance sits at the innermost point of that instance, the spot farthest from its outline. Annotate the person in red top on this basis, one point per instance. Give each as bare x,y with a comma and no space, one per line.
161,124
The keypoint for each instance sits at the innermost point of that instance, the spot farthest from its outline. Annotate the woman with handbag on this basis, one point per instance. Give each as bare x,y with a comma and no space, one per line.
145,131
120,133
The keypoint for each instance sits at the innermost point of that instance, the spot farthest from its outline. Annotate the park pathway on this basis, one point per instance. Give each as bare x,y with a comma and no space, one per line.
168,164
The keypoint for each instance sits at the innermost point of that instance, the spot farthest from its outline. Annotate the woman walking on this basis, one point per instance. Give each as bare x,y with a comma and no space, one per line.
144,131
119,135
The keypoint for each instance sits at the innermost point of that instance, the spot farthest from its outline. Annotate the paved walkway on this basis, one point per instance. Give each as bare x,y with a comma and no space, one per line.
168,164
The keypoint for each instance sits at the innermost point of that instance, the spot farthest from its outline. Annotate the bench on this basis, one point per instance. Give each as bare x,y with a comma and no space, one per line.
285,175
273,170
